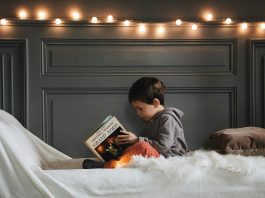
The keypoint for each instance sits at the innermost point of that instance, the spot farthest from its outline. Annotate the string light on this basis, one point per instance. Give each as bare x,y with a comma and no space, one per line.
244,26
262,26
126,22
94,20
194,27
58,21
3,21
110,19
178,22
22,14
76,16
42,15
228,21
142,28
209,17
161,29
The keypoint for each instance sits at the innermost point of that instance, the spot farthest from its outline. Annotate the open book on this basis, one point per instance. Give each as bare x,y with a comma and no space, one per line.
102,140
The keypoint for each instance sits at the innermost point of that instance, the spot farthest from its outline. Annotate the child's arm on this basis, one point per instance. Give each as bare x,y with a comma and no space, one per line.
127,138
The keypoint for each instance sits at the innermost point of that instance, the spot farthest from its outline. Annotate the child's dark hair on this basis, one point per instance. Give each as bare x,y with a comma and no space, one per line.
146,89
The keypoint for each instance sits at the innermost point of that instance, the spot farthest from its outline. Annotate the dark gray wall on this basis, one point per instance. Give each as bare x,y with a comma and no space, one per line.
60,82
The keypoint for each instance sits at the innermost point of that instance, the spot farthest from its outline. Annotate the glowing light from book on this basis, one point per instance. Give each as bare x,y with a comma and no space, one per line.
94,20
194,27
228,21
22,14
262,26
110,19
42,15
244,26
142,28
178,22
58,21
126,23
209,17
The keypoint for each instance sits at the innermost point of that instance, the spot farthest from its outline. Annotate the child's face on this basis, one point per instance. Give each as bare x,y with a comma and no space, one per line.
144,110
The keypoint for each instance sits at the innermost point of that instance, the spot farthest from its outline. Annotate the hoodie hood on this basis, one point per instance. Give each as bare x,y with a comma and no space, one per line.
176,113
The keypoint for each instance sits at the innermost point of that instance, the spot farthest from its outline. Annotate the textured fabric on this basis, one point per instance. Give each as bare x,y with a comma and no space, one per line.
140,148
165,133
202,174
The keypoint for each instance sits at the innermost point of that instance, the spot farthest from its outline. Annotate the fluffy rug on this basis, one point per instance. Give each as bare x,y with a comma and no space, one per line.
199,164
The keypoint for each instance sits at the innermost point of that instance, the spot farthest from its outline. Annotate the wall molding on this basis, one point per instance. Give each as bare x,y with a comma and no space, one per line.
47,108
225,47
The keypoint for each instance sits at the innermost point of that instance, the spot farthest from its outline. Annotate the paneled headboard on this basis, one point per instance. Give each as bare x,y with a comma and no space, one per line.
61,82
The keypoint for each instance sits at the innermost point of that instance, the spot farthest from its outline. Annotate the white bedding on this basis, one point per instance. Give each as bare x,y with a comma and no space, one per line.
200,174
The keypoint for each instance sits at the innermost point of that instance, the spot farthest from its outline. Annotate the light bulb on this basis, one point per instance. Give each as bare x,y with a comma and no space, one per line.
110,19
262,26
126,22
161,29
209,17
244,26
3,21
76,16
58,21
42,15
22,14
178,22
142,28
194,27
228,21
94,20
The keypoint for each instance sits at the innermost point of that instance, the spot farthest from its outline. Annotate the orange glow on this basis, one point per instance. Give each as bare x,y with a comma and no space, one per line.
126,22
194,27
178,22
228,21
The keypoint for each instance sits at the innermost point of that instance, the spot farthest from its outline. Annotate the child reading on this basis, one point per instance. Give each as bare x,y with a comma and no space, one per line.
163,131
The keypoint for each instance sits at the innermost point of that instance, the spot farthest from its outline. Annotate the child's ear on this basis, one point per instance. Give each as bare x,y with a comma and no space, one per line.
156,102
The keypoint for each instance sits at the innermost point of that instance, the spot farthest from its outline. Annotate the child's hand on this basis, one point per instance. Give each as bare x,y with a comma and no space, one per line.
127,138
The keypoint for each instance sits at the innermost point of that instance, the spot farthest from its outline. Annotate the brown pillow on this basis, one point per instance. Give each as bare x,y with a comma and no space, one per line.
245,141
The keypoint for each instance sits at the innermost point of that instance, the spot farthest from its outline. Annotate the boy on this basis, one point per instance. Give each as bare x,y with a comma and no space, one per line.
162,128
162,131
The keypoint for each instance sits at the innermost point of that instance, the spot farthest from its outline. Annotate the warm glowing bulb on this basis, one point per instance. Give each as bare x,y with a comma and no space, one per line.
194,27
142,28
228,21
178,22
244,26
262,26
110,19
58,21
209,17
3,21
22,14
76,16
94,20
161,29
42,15
126,22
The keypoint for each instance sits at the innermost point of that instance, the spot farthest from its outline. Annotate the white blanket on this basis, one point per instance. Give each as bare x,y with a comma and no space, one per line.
200,174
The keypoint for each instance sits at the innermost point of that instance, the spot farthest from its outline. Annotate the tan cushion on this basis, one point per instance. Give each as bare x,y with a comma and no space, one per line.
244,141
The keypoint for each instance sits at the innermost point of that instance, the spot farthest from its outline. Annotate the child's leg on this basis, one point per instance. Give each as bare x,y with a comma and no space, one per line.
140,148
64,164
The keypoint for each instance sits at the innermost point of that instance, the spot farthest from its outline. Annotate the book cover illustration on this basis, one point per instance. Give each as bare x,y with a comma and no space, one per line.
102,141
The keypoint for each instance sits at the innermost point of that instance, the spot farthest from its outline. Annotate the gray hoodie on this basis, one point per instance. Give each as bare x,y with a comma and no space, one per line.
165,133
